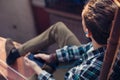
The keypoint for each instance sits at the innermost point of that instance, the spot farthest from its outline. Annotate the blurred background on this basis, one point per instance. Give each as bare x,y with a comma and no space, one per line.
22,20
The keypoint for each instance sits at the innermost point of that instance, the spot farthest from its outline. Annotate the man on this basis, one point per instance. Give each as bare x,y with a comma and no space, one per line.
97,18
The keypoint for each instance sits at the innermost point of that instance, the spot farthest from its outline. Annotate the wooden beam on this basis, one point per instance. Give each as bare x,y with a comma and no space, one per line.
112,47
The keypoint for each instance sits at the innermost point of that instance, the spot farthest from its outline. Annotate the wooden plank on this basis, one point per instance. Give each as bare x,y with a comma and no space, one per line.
112,46
18,71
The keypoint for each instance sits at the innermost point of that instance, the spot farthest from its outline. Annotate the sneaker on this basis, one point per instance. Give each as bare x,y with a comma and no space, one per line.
11,52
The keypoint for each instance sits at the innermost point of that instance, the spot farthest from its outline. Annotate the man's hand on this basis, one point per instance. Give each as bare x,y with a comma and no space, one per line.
45,57
33,65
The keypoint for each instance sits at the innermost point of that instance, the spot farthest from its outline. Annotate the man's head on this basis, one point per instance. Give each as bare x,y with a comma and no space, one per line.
97,19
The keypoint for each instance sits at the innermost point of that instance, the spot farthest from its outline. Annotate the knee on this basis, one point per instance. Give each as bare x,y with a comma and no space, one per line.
60,25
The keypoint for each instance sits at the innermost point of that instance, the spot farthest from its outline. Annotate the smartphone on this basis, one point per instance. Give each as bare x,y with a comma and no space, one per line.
40,62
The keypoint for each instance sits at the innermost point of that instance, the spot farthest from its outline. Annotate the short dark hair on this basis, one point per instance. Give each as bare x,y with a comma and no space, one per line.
98,19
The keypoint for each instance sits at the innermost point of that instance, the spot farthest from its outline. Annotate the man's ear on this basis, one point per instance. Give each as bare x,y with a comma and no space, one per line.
88,33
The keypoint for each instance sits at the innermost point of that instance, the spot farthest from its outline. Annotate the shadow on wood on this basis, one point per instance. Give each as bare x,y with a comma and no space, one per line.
18,71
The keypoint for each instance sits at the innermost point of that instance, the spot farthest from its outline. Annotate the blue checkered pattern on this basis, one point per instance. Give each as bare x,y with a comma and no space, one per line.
88,66
45,76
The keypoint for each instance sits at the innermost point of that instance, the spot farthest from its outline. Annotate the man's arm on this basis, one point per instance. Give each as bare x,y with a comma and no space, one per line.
70,53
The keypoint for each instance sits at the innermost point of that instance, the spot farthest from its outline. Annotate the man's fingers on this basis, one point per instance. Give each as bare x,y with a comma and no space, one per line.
38,55
27,54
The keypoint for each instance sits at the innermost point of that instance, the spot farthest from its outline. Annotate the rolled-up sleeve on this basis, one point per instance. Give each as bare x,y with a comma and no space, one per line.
68,53
45,76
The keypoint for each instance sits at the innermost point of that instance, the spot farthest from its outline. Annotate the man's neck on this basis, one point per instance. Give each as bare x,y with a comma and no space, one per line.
96,45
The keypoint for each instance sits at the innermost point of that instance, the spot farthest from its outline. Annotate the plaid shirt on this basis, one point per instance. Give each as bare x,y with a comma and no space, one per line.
88,62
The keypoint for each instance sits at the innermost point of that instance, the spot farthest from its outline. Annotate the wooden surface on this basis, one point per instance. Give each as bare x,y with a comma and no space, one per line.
18,71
